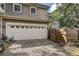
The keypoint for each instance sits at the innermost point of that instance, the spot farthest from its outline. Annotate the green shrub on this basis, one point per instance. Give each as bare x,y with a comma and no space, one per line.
7,40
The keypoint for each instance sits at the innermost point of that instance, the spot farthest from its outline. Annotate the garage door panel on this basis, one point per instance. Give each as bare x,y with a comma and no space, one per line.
26,33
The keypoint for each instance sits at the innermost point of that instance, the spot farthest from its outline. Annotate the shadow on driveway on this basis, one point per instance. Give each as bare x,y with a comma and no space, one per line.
34,43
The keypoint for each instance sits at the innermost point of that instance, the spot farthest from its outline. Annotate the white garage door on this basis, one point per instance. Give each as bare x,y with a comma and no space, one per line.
26,31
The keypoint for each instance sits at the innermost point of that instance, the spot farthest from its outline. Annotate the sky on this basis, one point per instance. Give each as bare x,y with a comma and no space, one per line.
53,7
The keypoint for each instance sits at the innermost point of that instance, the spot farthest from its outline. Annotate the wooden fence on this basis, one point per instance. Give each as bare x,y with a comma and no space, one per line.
64,35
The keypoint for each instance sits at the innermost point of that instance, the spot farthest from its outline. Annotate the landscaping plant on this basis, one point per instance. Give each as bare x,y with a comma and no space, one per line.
4,42
1,46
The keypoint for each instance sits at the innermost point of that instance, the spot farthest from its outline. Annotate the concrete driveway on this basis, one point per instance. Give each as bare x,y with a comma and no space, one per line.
35,48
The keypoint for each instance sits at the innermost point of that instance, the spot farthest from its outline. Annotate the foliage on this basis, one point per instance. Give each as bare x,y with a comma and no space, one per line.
5,40
1,9
66,14
1,46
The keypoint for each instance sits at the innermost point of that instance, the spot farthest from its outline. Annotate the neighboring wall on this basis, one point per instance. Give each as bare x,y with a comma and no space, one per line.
42,14
4,28
0,29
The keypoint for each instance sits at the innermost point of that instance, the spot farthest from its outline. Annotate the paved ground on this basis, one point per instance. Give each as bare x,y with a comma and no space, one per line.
36,48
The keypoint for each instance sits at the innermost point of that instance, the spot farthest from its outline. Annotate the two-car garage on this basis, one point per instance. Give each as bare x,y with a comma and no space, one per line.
26,31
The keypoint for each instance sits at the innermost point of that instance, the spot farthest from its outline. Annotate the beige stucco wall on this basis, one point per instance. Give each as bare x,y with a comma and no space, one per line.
41,13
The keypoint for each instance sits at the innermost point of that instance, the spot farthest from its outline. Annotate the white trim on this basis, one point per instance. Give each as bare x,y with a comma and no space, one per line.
20,8
35,9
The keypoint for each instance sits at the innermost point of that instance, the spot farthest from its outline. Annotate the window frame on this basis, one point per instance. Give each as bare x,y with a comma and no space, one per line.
35,9
20,8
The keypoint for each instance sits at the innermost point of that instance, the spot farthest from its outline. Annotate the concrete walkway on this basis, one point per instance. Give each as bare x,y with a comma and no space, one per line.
35,48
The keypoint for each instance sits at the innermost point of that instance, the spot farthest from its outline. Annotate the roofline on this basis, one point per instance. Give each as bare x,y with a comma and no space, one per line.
35,4
44,5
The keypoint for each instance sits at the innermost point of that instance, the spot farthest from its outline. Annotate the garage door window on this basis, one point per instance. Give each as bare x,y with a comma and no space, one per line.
27,26
31,27
35,27
39,27
22,26
12,26
17,26
42,27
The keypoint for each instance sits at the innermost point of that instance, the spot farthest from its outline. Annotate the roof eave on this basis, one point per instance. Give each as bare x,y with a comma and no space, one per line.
24,19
